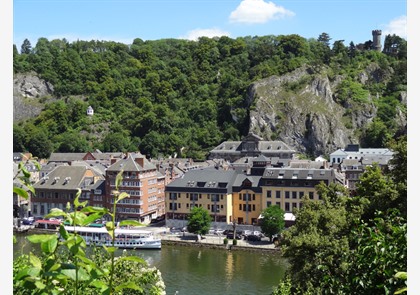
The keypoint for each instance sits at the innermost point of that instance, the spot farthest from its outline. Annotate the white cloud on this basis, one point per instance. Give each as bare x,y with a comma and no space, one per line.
258,12
195,34
397,26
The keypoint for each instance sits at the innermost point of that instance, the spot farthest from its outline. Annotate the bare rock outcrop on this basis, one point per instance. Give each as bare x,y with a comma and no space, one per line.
299,109
29,94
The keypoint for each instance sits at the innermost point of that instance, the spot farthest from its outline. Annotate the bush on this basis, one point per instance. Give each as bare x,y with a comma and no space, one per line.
225,241
235,242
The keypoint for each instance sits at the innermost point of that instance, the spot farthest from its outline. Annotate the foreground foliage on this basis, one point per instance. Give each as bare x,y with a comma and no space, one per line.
65,268
351,245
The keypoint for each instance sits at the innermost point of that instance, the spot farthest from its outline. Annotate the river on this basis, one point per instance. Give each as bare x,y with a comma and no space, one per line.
195,270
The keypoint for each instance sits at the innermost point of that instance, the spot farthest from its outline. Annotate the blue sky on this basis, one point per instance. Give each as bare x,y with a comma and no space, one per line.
125,20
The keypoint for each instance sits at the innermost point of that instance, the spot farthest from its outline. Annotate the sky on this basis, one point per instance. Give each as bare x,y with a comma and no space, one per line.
125,20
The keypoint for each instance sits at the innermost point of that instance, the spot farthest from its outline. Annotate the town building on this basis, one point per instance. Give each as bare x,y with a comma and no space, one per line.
61,185
143,182
355,152
209,188
252,146
240,195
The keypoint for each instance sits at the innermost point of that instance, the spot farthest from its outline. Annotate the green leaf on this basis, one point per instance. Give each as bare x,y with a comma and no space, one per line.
130,222
63,232
28,272
49,246
99,285
111,249
122,196
40,285
399,291
118,179
71,273
54,212
35,261
20,192
110,225
131,258
91,218
91,209
76,200
401,275
128,285
40,238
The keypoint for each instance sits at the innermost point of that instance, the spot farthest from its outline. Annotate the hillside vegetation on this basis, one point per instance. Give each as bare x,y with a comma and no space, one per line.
172,96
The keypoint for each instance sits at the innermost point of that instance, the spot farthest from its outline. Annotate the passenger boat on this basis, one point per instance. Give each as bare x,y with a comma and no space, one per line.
124,238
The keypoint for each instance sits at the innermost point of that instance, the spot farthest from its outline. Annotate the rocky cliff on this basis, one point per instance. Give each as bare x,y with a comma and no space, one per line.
299,108
29,95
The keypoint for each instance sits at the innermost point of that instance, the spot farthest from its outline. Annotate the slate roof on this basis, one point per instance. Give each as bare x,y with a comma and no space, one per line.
129,164
66,157
298,173
206,180
64,177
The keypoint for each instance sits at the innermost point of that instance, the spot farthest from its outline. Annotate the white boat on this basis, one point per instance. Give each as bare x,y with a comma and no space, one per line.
124,238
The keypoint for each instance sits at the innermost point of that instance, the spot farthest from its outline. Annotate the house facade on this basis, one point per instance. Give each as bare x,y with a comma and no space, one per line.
60,187
240,196
208,188
252,146
143,182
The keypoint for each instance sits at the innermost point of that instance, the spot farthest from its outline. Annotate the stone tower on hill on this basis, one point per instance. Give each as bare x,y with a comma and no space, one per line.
377,40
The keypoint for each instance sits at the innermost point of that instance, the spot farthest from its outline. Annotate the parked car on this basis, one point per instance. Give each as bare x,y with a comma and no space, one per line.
253,238
229,234
28,221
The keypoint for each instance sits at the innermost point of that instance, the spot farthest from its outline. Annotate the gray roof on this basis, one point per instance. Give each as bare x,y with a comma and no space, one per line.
298,173
209,179
308,164
254,179
64,177
66,157
129,164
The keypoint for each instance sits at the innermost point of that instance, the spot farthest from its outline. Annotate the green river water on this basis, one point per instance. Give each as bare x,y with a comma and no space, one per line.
195,270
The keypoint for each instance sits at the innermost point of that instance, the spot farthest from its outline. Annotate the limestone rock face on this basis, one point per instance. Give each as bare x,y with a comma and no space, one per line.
28,91
299,109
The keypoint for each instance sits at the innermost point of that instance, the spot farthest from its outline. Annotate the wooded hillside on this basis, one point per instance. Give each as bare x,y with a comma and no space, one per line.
176,96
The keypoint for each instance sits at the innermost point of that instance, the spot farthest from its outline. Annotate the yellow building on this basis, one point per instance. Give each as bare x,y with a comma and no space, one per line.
241,196
208,188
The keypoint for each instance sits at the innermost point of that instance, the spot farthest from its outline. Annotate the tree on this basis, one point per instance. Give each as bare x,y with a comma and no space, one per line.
40,145
325,39
26,47
272,221
376,135
199,221
315,244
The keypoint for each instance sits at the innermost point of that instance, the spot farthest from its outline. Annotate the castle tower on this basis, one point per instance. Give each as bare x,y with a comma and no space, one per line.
377,40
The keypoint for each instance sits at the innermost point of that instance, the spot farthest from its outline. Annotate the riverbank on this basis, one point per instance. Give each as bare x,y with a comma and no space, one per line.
217,242
187,239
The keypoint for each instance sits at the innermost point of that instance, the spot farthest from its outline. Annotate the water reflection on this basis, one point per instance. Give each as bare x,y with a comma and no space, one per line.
192,271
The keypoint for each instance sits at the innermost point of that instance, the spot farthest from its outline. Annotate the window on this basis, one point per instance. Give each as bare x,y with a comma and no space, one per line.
287,207
301,195
294,205
294,195
240,206
268,194
268,204
287,195
311,195
278,194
